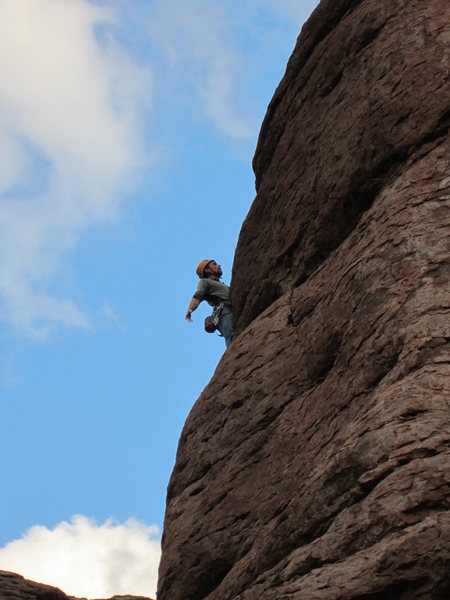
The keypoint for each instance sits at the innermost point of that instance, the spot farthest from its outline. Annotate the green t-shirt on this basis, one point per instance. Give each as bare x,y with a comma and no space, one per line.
214,292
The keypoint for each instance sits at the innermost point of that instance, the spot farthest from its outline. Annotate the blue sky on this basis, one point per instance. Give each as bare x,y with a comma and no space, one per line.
127,130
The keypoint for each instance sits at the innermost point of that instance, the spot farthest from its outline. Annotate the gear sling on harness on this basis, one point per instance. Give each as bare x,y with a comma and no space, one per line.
212,321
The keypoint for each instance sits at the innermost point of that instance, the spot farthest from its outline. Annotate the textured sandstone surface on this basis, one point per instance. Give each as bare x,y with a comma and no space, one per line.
315,465
366,87
15,587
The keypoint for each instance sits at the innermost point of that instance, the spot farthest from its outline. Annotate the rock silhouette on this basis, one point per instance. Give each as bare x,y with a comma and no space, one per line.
315,465
16,587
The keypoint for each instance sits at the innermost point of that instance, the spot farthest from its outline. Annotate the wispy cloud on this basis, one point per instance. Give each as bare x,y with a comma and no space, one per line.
68,142
217,52
88,560
8,376
195,38
74,106
108,312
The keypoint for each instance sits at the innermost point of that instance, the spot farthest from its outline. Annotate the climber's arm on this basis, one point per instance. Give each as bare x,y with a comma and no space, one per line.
193,305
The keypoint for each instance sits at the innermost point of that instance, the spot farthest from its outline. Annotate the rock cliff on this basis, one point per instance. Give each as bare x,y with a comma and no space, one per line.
315,465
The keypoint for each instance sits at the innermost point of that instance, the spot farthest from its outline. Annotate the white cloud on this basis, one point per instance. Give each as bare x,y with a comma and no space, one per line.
88,560
68,143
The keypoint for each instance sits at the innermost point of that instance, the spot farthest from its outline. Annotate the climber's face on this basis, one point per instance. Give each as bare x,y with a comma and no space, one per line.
214,269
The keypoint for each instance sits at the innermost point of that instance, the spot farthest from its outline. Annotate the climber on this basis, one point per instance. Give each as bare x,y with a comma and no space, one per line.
217,294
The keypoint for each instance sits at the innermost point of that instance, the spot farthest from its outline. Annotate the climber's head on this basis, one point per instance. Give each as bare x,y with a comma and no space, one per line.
209,268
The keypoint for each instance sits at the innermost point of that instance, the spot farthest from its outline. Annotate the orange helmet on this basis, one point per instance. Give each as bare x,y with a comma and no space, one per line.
201,266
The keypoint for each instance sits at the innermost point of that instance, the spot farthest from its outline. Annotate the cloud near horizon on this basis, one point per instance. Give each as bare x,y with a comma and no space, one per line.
69,98
84,559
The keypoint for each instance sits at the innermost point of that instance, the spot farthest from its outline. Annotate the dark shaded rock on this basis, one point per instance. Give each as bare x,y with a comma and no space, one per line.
15,587
315,465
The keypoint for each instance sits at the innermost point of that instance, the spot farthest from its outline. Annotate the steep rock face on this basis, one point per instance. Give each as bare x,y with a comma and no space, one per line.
15,587
315,465
364,89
